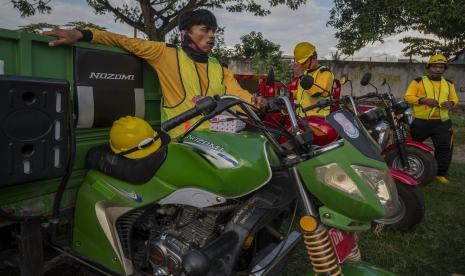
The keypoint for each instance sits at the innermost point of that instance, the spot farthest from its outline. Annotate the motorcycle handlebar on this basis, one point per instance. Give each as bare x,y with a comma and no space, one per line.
326,103
369,95
204,105
320,104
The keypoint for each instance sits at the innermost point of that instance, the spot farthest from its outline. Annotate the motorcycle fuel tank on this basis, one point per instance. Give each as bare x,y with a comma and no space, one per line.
228,164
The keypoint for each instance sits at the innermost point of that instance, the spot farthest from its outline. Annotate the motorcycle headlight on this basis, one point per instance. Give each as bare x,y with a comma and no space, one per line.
382,131
408,115
334,176
382,183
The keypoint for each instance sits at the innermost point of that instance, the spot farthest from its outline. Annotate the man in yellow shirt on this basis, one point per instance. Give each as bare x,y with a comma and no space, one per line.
186,73
306,61
432,97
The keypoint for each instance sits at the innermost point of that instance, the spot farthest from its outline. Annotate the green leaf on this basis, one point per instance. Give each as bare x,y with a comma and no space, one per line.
360,22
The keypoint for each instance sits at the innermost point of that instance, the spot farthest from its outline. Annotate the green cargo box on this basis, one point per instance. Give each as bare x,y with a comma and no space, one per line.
26,54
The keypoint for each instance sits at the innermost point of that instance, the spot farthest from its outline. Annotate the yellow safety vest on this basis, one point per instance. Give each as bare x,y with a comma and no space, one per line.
191,84
422,111
305,99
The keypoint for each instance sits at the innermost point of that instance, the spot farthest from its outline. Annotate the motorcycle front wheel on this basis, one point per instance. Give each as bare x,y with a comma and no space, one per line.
422,164
412,209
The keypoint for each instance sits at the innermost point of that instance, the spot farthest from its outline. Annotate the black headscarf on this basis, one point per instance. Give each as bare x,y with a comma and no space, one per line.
189,46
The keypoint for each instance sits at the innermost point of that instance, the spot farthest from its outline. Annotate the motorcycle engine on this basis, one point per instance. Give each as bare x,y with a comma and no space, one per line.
192,229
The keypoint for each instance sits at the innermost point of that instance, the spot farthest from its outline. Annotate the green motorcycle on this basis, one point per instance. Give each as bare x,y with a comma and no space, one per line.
213,203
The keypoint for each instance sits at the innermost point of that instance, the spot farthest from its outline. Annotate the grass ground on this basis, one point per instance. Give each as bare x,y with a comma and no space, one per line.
459,128
435,247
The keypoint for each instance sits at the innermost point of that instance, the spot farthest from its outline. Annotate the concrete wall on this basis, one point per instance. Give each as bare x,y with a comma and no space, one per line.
398,74
241,66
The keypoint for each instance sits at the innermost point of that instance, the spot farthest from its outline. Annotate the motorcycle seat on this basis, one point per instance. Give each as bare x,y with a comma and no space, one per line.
135,171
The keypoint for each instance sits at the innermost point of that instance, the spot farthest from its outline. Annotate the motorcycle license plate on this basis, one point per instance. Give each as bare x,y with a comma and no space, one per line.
343,242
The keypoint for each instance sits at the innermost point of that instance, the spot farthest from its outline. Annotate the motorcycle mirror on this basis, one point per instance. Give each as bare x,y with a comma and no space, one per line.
387,84
343,79
306,82
384,82
270,77
365,79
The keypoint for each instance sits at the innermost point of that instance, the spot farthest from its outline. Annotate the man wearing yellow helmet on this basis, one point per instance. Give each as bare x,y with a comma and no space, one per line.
306,62
432,97
186,72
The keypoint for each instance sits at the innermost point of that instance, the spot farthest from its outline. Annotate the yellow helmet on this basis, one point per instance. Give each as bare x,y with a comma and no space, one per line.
303,51
133,138
437,59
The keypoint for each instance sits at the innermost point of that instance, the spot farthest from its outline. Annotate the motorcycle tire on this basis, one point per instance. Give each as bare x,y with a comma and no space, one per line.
412,210
423,165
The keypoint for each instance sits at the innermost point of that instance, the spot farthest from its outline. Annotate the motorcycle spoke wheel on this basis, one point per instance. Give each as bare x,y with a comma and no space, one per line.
416,167
422,164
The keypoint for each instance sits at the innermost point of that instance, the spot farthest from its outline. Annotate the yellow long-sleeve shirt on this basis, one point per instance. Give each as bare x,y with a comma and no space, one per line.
416,91
163,59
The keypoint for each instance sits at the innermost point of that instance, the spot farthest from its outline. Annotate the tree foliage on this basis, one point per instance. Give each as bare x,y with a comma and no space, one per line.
29,7
221,51
264,54
40,27
156,18
282,68
425,47
254,44
82,25
338,56
36,27
360,22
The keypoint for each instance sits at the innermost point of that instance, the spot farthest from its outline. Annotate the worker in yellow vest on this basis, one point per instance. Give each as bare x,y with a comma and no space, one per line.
432,97
306,61
186,72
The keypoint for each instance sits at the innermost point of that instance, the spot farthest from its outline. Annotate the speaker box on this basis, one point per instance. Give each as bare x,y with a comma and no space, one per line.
34,134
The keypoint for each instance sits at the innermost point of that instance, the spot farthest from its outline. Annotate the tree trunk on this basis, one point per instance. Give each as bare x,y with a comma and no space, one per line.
149,20
155,35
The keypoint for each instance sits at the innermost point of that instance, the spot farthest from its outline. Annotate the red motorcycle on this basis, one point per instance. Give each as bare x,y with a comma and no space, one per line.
389,125
412,202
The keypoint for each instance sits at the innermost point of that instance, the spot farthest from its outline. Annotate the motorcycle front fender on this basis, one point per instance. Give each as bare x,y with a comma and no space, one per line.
404,177
410,143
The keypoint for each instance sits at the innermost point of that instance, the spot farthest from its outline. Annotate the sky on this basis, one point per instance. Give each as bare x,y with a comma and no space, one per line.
283,26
